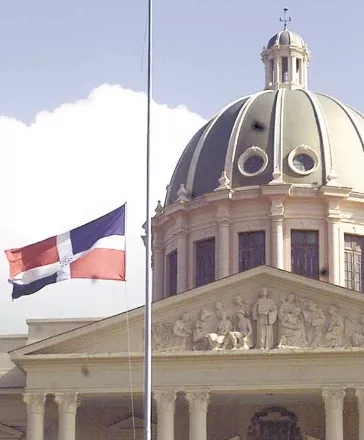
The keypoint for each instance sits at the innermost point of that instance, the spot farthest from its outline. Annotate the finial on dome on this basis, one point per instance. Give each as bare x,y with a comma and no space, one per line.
159,208
224,182
182,194
286,19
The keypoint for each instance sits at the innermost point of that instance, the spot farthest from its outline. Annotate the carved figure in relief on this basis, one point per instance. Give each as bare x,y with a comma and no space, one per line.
241,304
182,330
240,337
220,339
200,332
291,323
334,334
265,313
315,321
357,338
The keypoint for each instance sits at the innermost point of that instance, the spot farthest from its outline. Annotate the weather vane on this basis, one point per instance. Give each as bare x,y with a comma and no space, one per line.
285,20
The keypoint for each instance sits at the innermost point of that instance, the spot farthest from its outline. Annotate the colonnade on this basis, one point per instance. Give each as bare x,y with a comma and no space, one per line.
333,399
198,402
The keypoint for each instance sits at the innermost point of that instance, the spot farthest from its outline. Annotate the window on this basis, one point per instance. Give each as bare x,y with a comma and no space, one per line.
353,261
205,261
305,253
171,280
251,249
303,162
271,74
284,69
298,65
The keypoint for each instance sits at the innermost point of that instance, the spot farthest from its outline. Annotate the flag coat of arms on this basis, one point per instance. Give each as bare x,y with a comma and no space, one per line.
95,250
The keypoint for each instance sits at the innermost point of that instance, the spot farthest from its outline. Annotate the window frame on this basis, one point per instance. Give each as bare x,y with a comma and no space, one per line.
168,271
214,272
353,253
318,245
255,231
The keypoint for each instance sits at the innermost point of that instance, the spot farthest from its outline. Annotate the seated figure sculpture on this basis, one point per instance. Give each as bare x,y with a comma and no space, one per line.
240,337
220,339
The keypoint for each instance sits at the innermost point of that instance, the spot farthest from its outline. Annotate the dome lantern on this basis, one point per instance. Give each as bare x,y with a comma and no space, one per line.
286,59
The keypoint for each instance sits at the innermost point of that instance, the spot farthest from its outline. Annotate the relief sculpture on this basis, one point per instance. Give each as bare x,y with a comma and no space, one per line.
265,313
315,321
292,332
239,324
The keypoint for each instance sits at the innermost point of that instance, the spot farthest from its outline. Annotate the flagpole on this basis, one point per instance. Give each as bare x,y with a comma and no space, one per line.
148,255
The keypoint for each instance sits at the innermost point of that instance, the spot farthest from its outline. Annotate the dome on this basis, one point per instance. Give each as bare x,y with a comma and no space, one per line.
285,135
286,38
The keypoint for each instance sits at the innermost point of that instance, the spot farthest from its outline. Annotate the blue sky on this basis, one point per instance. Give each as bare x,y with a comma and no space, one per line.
206,51
72,115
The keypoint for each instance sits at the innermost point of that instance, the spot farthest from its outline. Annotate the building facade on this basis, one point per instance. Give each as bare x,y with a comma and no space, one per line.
258,314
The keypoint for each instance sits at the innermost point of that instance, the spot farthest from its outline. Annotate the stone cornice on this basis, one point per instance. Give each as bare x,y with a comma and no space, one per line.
278,354
334,191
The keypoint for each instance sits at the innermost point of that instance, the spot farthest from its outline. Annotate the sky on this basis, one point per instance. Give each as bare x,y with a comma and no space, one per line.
73,103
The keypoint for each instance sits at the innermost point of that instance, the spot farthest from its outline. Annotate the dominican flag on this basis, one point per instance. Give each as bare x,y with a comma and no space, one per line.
93,251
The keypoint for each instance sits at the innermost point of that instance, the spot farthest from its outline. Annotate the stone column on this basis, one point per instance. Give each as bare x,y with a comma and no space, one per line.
182,261
359,393
334,251
198,403
334,404
165,414
35,415
277,71
224,247
292,69
67,409
277,242
158,272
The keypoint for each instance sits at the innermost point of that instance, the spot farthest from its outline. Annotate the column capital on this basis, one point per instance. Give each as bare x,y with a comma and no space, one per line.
165,400
359,394
67,402
198,400
333,397
35,402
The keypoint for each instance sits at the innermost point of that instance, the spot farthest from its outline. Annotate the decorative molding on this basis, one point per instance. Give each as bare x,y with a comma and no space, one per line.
303,149
274,415
35,403
198,401
67,402
165,400
359,394
251,152
333,398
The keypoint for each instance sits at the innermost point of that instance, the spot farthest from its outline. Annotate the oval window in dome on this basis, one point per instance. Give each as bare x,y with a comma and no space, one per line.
252,162
303,160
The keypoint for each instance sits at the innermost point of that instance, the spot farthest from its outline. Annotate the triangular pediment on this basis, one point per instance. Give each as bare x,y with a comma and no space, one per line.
10,433
314,308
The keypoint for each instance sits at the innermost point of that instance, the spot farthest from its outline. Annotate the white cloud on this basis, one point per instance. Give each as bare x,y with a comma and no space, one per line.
70,166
